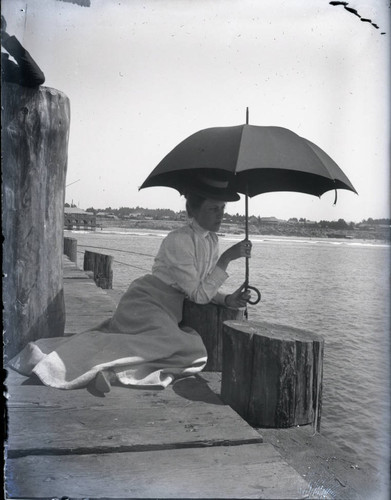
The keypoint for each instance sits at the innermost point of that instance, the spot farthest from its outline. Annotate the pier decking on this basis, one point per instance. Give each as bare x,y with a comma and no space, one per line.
181,442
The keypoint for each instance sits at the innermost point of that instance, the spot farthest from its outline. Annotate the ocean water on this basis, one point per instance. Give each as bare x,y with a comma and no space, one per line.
338,289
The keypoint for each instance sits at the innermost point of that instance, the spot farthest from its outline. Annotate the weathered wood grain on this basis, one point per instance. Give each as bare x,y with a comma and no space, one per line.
35,130
43,420
70,270
101,265
178,442
246,471
70,248
207,320
237,370
86,304
272,373
326,466
83,299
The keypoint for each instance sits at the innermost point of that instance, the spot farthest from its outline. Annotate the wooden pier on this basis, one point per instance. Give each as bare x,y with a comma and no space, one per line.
181,442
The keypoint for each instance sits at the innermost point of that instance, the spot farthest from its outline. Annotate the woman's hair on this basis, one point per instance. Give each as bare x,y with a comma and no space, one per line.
193,203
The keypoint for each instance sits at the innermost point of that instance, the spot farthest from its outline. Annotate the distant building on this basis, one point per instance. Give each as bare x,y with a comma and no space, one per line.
270,220
134,215
77,218
105,215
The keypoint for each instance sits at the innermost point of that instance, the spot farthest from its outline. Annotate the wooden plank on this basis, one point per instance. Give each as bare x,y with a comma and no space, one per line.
78,287
70,273
83,323
70,269
67,263
80,305
326,466
86,305
246,471
193,389
84,290
51,421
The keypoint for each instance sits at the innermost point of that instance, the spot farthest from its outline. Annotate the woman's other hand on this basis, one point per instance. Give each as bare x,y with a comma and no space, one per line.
241,249
239,298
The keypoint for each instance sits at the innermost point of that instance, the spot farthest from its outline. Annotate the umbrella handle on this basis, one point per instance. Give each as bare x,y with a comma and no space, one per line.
254,302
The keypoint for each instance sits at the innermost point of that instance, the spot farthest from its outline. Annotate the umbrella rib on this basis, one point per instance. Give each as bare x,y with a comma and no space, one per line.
308,146
238,152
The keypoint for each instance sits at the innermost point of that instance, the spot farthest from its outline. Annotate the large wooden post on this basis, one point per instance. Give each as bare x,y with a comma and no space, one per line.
207,320
35,129
272,374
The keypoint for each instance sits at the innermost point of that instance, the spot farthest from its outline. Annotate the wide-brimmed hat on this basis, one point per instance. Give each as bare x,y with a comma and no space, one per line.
212,188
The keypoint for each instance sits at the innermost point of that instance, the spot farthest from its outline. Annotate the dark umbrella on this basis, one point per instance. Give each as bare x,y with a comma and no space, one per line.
255,160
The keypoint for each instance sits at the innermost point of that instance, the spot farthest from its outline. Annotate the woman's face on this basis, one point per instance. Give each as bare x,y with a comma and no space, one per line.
210,214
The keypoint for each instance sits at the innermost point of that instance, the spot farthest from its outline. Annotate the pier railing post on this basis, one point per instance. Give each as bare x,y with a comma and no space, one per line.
101,265
70,248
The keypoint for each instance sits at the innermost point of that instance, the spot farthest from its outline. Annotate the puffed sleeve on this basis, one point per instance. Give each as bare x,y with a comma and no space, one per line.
178,251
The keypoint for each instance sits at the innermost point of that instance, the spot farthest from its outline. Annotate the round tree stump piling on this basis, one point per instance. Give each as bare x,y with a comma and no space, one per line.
272,374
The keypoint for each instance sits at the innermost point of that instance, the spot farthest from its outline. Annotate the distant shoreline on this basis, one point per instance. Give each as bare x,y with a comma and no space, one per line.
302,230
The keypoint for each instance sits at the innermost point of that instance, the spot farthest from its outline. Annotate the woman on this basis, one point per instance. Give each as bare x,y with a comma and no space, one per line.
142,343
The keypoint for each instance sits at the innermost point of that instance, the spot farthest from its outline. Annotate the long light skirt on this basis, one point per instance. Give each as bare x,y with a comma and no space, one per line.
142,344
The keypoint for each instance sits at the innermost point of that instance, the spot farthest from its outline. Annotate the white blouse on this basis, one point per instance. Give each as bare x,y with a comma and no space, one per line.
187,261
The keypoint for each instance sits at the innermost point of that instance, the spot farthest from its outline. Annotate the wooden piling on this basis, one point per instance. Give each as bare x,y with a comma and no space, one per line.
101,265
272,374
70,248
207,320
34,132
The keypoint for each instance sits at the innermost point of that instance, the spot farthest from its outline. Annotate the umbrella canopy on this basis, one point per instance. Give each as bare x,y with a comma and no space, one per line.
255,159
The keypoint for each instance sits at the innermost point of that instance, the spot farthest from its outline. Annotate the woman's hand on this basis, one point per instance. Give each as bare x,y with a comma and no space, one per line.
241,249
239,298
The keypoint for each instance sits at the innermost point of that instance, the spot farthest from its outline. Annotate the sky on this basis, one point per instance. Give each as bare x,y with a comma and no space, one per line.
142,75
